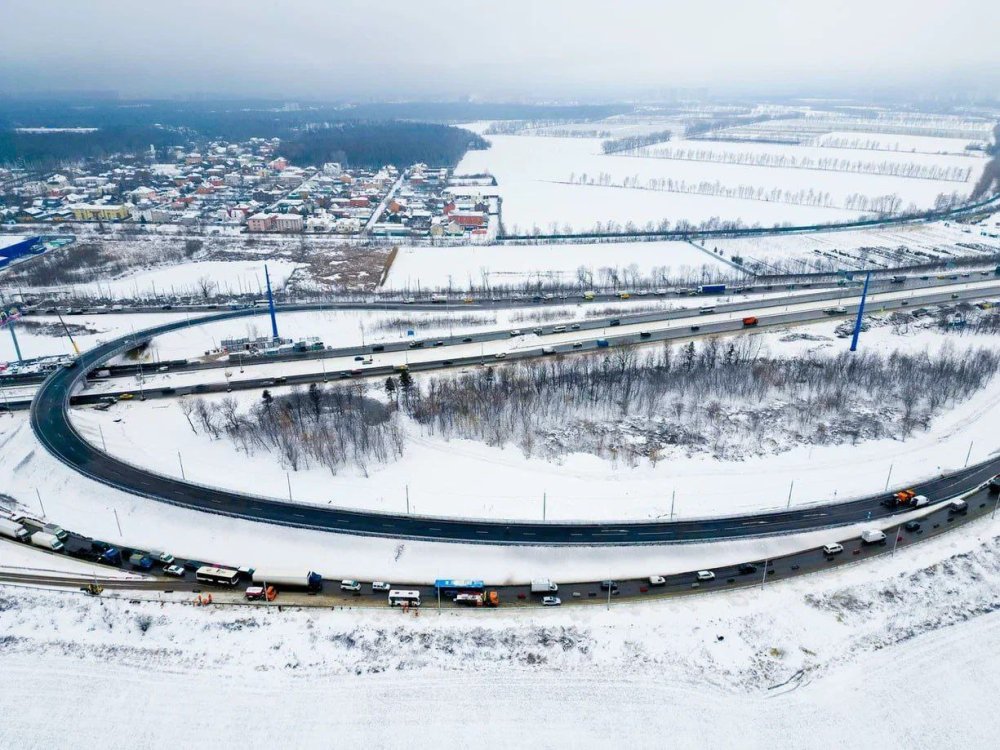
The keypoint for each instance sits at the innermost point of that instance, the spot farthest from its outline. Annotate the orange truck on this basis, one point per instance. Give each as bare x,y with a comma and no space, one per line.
750,321
484,599
905,498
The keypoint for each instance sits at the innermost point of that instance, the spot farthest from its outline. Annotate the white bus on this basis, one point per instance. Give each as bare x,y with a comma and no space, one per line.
219,576
399,598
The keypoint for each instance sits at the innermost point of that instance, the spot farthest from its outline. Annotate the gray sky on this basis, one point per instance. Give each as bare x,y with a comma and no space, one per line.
503,49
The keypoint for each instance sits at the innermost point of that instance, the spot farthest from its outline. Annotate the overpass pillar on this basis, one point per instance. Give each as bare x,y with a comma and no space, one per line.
13,336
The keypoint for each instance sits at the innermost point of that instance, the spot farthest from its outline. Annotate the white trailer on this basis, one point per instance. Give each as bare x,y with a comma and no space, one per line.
46,540
543,586
309,580
13,530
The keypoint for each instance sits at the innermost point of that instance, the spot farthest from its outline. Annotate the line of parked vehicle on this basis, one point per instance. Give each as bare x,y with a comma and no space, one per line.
265,583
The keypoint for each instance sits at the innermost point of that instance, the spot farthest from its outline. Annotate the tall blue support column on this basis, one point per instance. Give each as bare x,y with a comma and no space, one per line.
270,303
17,347
861,314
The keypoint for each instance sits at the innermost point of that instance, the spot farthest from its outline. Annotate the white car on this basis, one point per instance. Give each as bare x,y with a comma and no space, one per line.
657,581
176,571
551,601
350,586
380,586
833,549
705,575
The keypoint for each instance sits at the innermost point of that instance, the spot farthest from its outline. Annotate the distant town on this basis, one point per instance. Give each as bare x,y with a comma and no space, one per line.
249,187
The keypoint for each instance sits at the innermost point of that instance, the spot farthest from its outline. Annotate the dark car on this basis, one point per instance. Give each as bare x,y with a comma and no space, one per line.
609,585
378,348
416,344
438,343
995,485
614,322
912,526
695,328
467,340
747,568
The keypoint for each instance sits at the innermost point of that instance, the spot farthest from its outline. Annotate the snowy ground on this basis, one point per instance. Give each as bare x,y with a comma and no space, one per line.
528,168
822,661
893,246
98,328
186,279
514,265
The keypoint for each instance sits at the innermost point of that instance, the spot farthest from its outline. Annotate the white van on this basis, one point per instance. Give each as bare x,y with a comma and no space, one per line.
872,536
833,549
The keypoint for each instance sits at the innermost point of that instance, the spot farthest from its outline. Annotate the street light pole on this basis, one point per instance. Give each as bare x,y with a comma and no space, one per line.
764,577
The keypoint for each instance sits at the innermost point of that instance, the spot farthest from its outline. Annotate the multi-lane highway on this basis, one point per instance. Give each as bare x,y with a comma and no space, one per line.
52,425
936,520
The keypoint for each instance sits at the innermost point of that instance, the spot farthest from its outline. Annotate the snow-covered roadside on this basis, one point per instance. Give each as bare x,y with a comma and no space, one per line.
820,661
16,557
89,508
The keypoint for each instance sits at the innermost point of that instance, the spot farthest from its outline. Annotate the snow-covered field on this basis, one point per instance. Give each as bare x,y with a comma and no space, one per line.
911,244
515,265
193,279
532,171
823,661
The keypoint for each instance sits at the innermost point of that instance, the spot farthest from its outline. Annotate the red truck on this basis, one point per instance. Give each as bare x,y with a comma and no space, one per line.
750,321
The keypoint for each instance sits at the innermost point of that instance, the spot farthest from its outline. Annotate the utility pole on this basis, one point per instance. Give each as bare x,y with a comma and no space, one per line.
119,523
888,476
896,540
40,504
764,577
544,503
407,499
288,477
103,443
181,462
673,497
969,454
790,495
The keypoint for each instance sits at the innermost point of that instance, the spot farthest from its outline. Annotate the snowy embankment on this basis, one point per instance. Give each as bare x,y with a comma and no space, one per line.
819,661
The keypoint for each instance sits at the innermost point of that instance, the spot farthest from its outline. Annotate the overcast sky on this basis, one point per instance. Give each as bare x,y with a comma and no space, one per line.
504,49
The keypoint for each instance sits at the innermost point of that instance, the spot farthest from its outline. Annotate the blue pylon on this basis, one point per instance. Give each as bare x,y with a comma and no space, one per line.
861,314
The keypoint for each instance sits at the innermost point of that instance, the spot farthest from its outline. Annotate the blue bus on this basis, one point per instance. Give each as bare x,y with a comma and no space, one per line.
449,586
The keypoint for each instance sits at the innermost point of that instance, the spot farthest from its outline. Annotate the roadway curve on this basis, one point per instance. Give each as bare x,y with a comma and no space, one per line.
51,423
